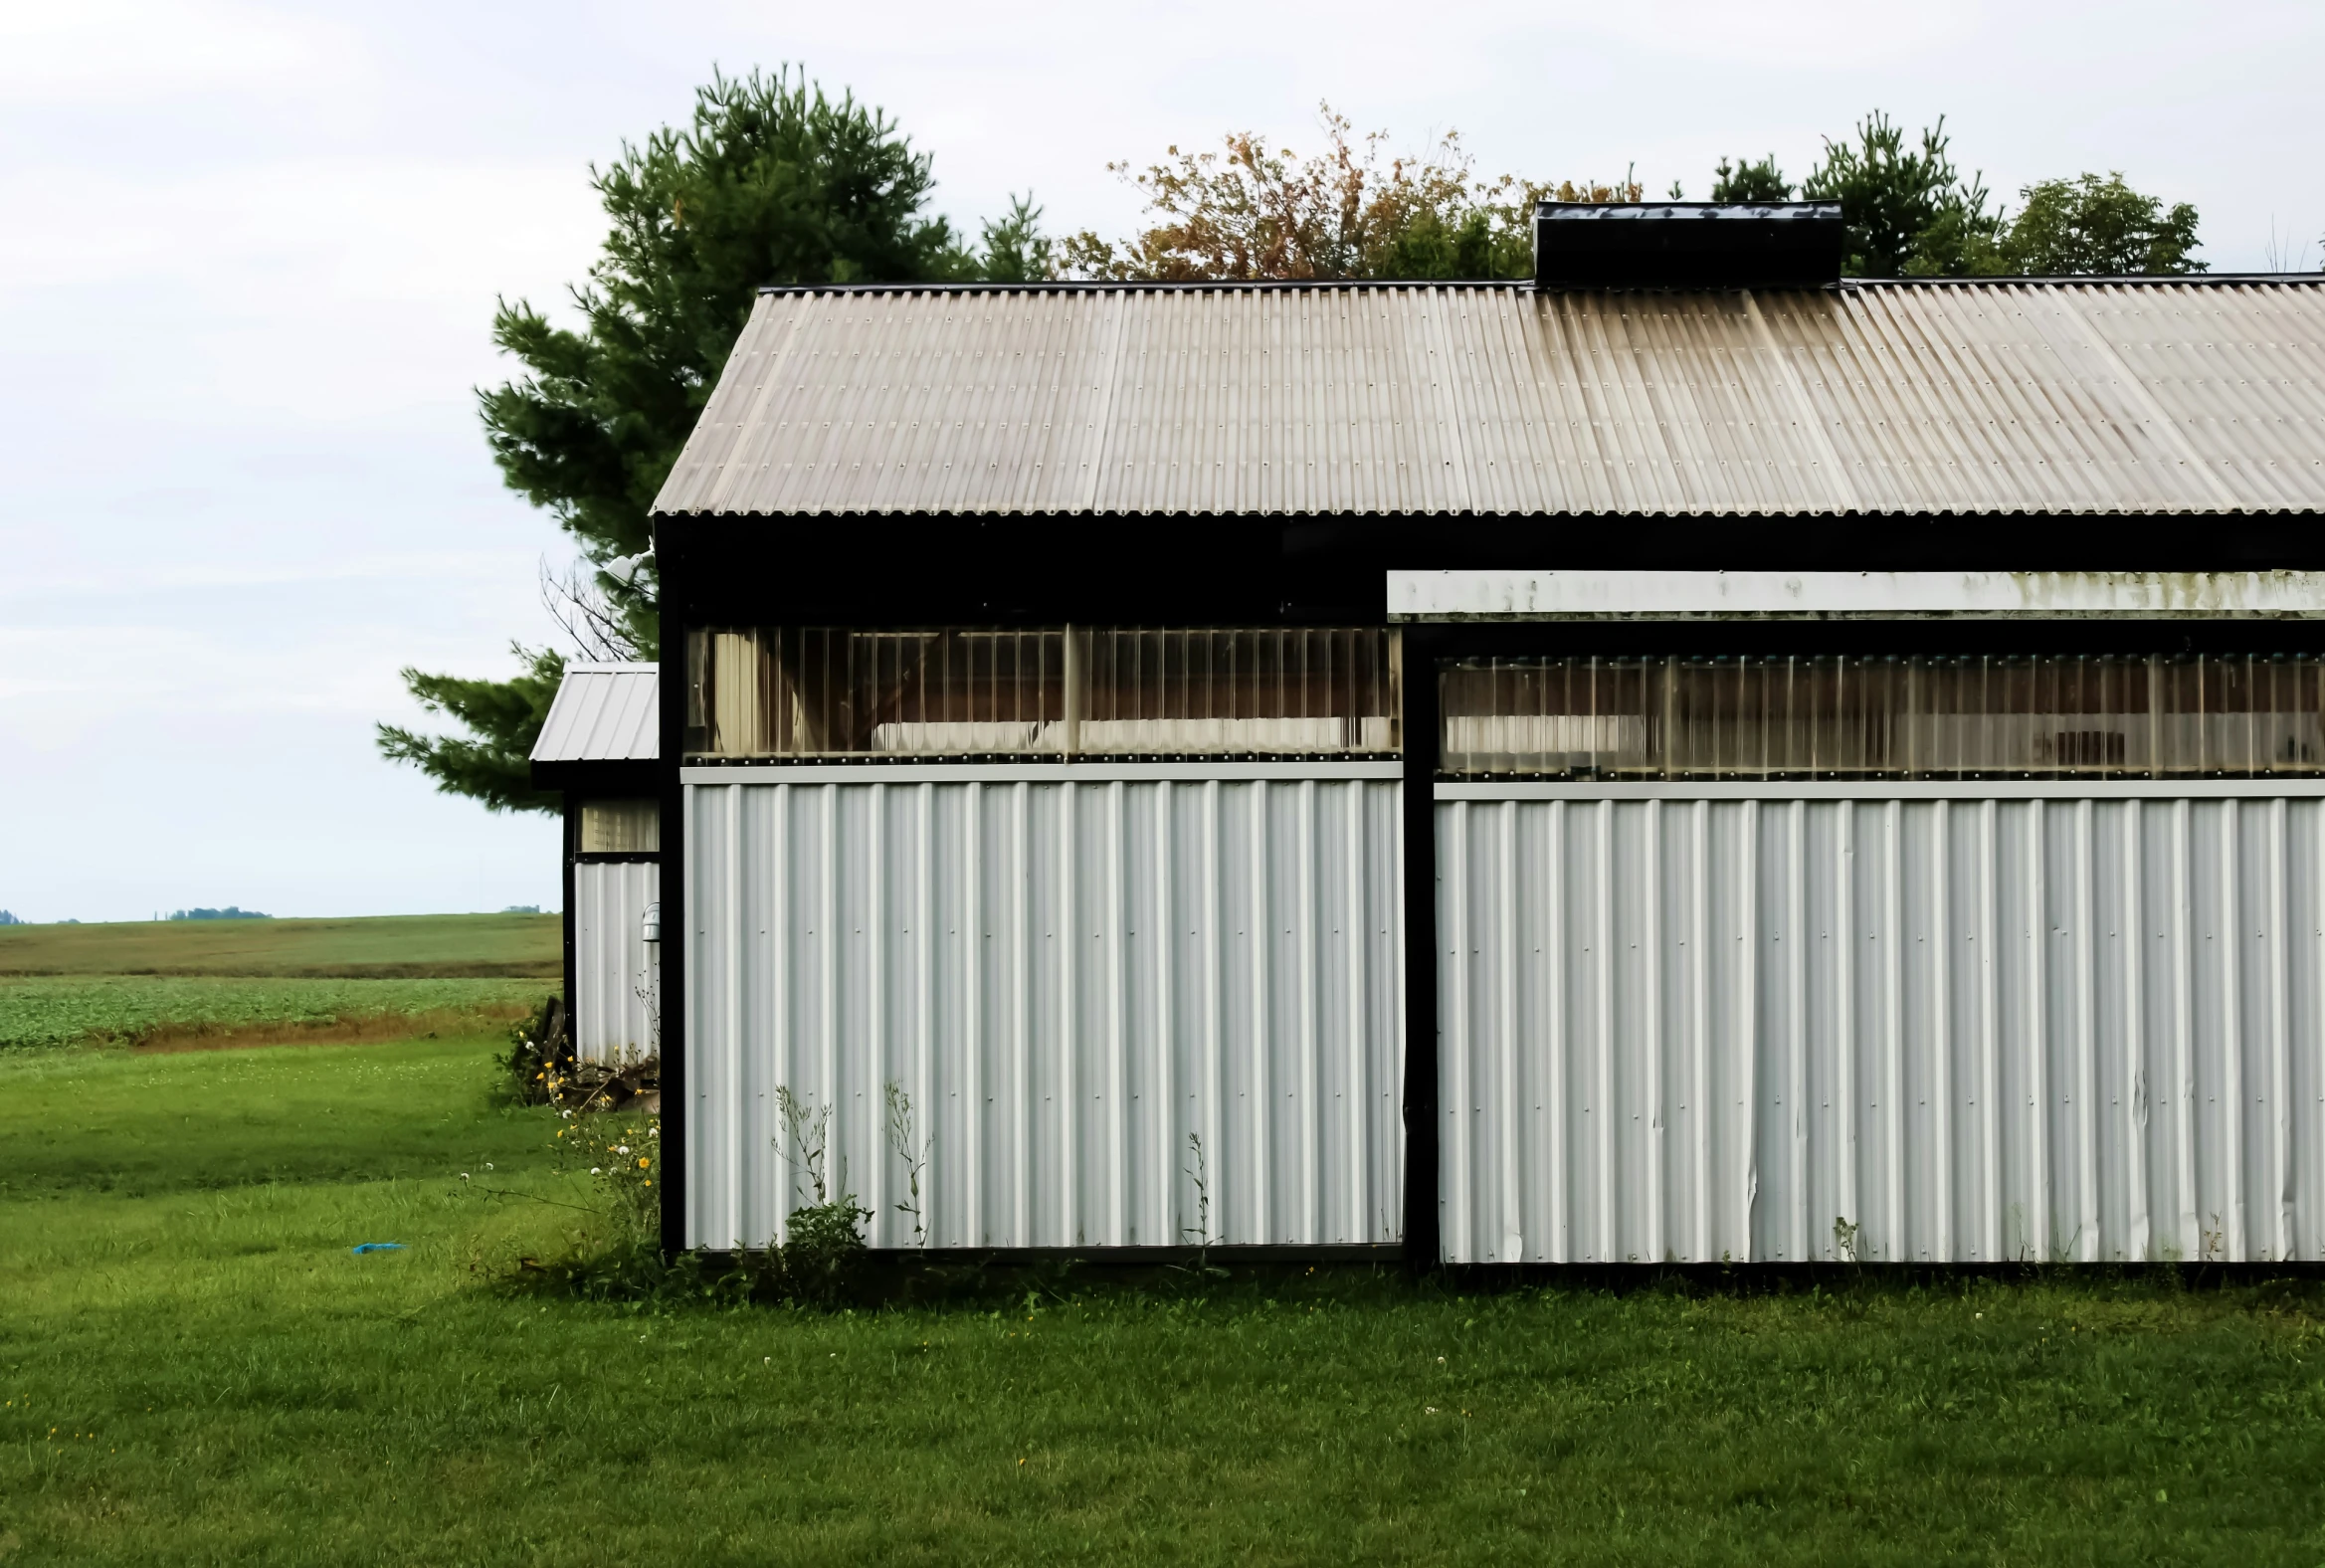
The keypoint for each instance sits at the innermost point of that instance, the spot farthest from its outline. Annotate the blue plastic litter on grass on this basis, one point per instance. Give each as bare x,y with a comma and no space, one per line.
377,1247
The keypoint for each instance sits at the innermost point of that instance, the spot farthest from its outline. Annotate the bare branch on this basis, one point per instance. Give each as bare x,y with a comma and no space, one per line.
594,626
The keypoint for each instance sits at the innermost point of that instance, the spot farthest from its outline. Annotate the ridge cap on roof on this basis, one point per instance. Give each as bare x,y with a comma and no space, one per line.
1302,284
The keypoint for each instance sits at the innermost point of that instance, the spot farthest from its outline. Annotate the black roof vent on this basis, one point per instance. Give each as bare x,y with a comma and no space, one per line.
1686,245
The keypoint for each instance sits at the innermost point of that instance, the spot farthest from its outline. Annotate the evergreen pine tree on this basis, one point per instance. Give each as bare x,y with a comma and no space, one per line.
772,181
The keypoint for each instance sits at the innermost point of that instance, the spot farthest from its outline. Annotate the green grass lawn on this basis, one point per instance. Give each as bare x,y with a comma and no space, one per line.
194,1369
474,946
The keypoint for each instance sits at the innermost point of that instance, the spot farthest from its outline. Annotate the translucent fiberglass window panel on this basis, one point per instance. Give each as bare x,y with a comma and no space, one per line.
1847,716
621,826
1052,692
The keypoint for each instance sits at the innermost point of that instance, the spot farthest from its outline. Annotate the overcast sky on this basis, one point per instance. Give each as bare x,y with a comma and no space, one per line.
251,253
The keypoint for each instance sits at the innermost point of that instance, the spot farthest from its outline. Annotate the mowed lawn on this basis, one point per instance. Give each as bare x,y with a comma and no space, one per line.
195,1369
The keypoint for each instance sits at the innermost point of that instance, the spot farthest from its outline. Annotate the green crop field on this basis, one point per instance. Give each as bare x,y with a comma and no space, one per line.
226,982
437,946
147,1009
194,1368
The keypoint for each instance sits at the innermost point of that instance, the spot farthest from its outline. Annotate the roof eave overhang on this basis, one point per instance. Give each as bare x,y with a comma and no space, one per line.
629,776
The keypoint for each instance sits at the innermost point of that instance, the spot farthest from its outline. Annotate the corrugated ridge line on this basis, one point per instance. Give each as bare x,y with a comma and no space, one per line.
1655,383
1605,373
2275,450
1569,405
1461,465
1739,472
920,436
1507,409
2163,429
1954,460
600,715
855,338
875,363
1824,477
1885,416
750,423
2027,405
625,721
2104,315
687,487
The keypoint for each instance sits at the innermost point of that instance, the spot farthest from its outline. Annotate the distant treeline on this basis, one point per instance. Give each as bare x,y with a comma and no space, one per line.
230,912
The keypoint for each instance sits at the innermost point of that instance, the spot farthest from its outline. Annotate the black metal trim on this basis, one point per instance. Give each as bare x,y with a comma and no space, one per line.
671,691
1527,284
1422,1228
571,827
1079,759
633,779
1675,246
1256,1254
887,569
616,856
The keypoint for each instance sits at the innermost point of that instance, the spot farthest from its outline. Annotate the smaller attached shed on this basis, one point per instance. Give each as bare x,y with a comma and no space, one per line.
598,747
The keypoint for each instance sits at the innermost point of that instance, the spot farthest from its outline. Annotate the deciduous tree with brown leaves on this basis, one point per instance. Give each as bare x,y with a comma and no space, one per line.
1355,210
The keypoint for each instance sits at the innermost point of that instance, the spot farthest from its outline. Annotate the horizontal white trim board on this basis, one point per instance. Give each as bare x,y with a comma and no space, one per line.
1226,770
1648,595
1897,789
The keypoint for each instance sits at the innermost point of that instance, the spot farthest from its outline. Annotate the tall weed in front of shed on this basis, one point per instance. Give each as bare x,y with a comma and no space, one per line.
615,1249
819,1260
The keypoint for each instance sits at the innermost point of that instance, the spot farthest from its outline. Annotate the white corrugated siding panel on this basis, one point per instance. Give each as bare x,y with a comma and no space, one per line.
1414,399
616,972
1981,1030
602,714
1068,980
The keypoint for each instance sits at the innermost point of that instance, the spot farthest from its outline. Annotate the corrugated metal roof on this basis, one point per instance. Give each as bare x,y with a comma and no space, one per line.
2042,396
602,714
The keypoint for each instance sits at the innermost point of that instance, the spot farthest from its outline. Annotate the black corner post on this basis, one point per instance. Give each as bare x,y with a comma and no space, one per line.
671,684
1420,730
570,817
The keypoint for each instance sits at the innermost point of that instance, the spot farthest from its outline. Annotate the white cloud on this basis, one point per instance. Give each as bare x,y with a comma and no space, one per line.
113,49
316,290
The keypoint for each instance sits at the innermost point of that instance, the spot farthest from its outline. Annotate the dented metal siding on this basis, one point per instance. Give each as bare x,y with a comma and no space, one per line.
1070,978
2049,1027
615,970
2041,398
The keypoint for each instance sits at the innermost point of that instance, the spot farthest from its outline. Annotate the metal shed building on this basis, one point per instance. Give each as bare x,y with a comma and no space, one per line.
1763,767
597,746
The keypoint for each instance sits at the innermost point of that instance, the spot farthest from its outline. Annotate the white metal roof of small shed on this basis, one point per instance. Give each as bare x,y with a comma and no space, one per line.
1895,397
602,714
